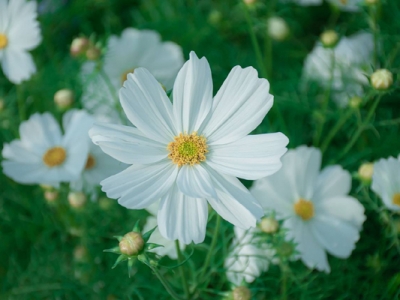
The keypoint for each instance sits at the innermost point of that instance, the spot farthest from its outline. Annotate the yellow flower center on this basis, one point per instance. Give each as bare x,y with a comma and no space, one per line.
304,209
54,157
124,75
396,199
90,162
344,2
3,40
188,149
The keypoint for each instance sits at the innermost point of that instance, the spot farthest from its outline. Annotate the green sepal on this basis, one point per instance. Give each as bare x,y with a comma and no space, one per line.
131,261
118,237
147,235
150,246
144,259
120,258
113,250
136,228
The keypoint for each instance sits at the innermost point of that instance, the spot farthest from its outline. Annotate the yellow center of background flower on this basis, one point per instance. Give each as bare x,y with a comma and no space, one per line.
90,162
124,75
344,2
3,41
54,156
304,209
188,149
396,199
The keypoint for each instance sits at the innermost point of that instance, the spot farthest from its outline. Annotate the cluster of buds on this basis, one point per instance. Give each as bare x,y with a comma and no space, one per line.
134,246
84,47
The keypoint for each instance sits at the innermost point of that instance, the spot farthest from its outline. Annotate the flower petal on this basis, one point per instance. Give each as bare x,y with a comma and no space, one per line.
192,94
195,182
17,65
182,218
332,181
147,106
239,106
139,186
251,157
127,144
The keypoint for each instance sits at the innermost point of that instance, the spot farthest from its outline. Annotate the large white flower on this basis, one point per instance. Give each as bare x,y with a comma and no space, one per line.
386,181
134,49
249,257
43,154
350,60
190,152
317,210
19,33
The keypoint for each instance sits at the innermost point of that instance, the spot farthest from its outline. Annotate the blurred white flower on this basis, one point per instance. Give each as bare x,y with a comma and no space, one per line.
43,154
386,181
19,33
277,28
249,257
315,206
345,5
351,59
195,148
134,49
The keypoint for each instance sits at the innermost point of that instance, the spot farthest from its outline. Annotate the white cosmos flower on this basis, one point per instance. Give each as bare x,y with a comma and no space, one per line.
190,152
43,154
386,181
318,213
352,60
19,33
134,49
249,257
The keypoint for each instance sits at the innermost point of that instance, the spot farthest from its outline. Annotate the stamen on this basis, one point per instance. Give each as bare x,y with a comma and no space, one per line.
90,162
396,199
54,156
188,149
304,209
3,41
124,75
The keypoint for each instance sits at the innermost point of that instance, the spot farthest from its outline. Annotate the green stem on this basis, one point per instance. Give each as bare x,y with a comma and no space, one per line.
361,128
373,12
21,103
166,285
181,270
284,282
335,130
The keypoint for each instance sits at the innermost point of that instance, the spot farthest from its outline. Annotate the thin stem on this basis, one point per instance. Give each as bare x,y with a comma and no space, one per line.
284,282
335,130
361,128
166,285
182,271
21,103
373,12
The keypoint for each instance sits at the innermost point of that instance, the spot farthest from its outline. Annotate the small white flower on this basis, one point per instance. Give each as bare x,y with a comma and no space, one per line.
351,60
386,181
249,257
43,154
315,206
19,33
190,153
134,49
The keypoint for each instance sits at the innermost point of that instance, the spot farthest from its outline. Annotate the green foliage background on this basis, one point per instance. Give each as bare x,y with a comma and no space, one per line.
37,239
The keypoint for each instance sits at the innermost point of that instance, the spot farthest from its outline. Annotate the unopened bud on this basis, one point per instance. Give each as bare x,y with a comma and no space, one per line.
365,171
278,28
241,293
131,243
76,199
80,253
93,53
371,2
381,79
50,195
355,102
64,98
286,249
269,225
249,2
329,38
105,203
79,46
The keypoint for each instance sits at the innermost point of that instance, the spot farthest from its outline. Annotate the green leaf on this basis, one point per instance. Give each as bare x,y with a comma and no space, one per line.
147,235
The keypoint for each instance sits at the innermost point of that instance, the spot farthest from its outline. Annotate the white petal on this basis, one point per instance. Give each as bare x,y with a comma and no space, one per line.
336,236
147,106
17,151
127,144
239,106
332,181
17,65
251,157
182,218
192,94
139,186
22,172
234,203
195,182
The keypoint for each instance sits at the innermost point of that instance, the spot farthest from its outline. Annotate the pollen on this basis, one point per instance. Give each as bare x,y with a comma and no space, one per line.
3,40
304,209
124,75
396,199
90,162
54,157
188,149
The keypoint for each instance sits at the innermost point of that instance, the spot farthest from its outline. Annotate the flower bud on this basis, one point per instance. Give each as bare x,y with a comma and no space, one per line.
50,195
64,98
365,172
355,102
241,293
105,203
79,46
329,38
269,225
277,28
131,243
76,199
286,249
93,53
249,2
371,2
80,253
381,79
